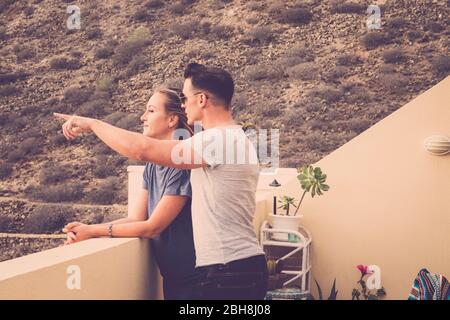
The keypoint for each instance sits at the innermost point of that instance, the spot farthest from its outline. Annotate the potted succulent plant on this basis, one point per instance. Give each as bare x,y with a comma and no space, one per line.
311,180
284,220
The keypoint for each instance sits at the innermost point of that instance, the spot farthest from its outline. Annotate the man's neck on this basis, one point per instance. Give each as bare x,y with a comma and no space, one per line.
218,119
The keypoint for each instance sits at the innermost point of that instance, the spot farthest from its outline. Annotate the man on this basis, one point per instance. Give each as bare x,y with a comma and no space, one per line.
224,177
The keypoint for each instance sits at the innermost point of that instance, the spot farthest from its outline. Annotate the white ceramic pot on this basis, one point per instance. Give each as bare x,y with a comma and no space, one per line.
286,223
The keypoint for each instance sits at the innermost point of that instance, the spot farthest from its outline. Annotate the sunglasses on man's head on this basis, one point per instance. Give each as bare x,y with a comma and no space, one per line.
184,98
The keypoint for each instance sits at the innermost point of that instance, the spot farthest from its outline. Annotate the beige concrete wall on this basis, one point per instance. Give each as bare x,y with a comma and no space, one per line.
389,201
109,269
119,268
265,193
135,183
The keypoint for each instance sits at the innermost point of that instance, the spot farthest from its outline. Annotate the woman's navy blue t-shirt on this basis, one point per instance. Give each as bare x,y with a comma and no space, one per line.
174,247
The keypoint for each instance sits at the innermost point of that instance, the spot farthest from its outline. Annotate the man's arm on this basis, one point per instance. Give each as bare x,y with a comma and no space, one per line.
132,145
139,147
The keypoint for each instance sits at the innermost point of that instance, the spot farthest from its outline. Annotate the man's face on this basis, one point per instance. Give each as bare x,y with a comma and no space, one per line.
192,105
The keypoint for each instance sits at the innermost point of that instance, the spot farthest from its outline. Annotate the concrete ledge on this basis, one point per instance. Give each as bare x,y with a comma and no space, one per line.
108,269
118,268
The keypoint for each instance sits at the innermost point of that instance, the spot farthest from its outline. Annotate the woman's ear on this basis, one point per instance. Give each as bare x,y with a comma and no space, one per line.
173,121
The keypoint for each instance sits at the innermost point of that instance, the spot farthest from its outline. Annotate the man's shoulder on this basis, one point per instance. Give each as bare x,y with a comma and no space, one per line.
243,170
232,129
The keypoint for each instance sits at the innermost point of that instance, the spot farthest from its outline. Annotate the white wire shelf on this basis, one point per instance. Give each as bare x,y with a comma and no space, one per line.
302,246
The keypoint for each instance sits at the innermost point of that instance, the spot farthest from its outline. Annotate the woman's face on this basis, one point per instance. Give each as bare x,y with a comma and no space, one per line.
157,123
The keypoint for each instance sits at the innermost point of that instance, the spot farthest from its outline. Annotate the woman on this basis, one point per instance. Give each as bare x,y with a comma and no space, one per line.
163,208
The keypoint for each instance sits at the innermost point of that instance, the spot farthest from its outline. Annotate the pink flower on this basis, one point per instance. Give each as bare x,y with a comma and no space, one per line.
363,269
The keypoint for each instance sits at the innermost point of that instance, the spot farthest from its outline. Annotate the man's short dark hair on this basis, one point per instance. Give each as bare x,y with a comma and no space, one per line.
216,81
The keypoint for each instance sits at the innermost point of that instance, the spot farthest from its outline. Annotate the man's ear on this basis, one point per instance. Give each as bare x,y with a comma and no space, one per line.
203,100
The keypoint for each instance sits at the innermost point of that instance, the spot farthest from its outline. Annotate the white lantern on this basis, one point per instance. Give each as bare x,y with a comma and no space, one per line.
438,145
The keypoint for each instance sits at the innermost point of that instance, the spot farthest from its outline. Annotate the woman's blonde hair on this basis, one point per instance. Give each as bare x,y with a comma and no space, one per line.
173,106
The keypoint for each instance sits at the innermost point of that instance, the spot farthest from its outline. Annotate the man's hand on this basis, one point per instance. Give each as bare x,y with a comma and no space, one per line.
74,125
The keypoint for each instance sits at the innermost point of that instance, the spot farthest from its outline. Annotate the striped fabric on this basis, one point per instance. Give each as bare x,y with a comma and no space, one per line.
287,294
430,286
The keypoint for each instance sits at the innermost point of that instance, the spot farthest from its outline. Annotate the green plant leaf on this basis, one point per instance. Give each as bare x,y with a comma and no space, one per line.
271,266
381,292
310,297
333,293
355,294
319,290
279,266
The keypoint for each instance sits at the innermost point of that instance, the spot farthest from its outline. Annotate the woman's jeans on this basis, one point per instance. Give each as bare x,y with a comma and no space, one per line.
244,279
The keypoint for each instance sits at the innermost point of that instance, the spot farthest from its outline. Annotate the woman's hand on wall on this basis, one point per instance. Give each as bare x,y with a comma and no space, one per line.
71,238
77,231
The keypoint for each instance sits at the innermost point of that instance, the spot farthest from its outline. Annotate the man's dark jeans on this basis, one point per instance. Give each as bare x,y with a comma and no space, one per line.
244,279
184,289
